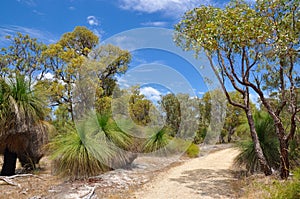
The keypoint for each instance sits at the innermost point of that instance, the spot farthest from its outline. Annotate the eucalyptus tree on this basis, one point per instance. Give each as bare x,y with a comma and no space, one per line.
24,57
255,47
64,58
139,107
171,106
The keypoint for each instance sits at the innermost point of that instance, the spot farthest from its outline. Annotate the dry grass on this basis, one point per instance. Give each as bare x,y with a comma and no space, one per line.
254,186
37,185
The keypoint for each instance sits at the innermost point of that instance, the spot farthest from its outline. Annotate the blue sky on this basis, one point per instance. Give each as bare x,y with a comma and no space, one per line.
47,20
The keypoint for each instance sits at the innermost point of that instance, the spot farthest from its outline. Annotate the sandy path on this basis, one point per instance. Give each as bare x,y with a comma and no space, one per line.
206,177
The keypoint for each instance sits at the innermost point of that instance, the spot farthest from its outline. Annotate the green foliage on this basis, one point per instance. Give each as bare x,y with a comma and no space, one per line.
171,106
200,135
289,189
110,60
21,107
113,133
97,145
157,141
295,151
65,59
139,107
252,47
193,151
72,158
24,57
265,129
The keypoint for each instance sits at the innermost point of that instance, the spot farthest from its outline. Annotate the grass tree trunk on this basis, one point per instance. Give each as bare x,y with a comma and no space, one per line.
258,150
9,165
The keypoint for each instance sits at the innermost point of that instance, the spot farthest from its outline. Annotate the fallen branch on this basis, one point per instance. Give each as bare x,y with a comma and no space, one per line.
18,175
90,194
8,181
24,175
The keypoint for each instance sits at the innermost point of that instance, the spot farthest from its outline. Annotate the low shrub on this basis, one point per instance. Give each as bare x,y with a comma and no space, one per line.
286,189
193,151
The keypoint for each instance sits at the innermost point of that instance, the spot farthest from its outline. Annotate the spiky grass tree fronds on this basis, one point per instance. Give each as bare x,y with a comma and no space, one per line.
96,146
113,132
72,158
105,131
157,142
264,126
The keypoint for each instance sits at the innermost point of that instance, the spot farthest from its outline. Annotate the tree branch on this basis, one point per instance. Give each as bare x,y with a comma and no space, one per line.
222,84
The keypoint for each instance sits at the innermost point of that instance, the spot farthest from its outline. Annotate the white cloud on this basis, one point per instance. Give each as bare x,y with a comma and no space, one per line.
38,13
30,3
151,93
42,36
155,23
92,20
49,76
169,7
125,42
72,8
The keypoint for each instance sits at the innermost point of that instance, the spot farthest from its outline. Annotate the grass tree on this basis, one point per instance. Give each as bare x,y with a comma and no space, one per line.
22,130
265,129
95,146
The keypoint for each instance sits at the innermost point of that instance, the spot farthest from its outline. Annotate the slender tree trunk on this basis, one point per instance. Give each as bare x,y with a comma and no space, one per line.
284,160
284,153
9,165
230,133
258,150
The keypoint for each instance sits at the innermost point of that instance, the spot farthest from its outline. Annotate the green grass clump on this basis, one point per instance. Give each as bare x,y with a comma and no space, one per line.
95,146
72,158
193,151
158,141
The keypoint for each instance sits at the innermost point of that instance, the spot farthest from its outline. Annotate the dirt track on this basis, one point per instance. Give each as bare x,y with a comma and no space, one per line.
206,177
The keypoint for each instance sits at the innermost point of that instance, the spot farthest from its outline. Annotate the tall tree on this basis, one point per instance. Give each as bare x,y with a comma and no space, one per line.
65,59
24,56
171,106
189,114
139,107
110,61
76,56
255,47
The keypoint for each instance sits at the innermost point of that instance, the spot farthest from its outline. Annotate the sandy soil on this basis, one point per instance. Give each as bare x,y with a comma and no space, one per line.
207,177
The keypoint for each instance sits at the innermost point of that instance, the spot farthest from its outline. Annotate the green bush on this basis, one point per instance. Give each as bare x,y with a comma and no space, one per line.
193,151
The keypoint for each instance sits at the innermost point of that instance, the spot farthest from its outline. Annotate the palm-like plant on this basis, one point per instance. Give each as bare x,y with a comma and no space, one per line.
22,130
97,145
264,126
158,141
